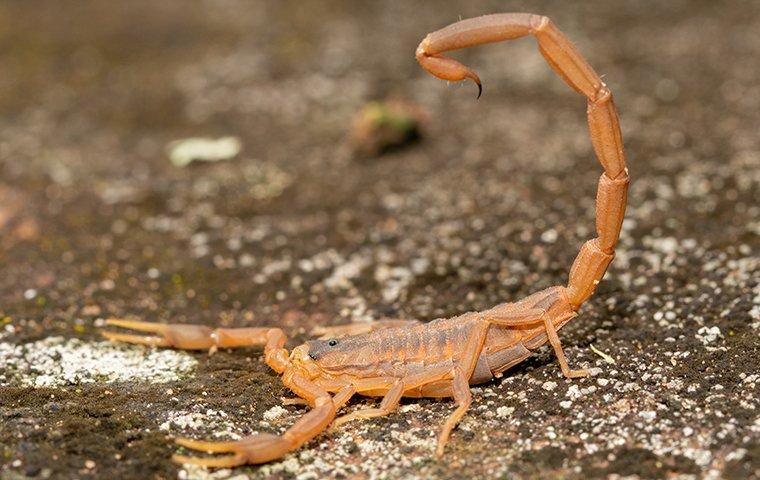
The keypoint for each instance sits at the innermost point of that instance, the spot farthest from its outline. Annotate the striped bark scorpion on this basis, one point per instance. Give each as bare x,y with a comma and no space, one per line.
442,358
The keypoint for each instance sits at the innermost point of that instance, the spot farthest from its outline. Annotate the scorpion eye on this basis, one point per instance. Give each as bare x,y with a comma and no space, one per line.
332,342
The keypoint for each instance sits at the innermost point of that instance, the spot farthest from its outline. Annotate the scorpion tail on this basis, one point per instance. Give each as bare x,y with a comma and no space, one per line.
564,58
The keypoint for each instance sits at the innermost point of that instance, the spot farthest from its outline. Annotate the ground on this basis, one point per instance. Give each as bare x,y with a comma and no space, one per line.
491,204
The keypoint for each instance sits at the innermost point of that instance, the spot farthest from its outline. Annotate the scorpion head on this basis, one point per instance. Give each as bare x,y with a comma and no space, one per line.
336,354
328,358
321,350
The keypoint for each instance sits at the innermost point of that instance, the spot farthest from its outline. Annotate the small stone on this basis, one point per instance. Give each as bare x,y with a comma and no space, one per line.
188,150
708,335
549,386
573,392
274,413
504,412
648,415
549,236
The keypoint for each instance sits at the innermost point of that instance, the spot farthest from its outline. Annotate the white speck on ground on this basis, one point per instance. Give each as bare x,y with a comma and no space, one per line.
394,281
274,413
648,415
549,386
504,412
573,392
183,152
708,335
345,272
205,418
56,361
604,356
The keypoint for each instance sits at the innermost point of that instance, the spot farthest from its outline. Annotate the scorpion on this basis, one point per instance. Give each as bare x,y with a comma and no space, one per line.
443,358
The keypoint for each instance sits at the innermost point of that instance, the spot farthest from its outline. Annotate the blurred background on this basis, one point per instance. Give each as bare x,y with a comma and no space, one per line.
288,163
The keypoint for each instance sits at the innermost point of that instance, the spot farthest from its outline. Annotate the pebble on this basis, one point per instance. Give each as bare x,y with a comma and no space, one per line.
708,335
573,392
274,413
648,415
504,412
549,386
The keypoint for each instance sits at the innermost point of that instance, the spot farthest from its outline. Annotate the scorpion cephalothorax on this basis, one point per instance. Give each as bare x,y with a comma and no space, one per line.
444,357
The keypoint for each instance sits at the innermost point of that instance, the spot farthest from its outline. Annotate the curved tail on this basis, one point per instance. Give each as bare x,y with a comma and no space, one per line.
596,254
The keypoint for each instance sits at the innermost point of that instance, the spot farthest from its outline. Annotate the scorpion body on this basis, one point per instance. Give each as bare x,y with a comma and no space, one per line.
409,350
444,357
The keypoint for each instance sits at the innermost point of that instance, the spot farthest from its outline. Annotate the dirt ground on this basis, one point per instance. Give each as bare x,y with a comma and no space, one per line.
490,205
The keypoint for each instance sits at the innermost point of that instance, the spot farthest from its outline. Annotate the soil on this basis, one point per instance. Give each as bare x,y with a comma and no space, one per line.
492,203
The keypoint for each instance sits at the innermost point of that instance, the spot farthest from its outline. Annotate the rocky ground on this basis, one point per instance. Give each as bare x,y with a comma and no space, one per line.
490,205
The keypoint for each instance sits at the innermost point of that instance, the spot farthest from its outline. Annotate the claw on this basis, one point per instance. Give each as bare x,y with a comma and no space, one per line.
474,77
153,341
446,68
138,325
222,462
210,447
188,337
254,449
139,339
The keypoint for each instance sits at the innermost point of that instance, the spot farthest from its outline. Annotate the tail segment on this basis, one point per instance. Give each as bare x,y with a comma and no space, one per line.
596,254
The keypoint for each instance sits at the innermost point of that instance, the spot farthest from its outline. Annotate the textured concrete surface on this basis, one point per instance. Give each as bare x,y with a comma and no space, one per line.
492,204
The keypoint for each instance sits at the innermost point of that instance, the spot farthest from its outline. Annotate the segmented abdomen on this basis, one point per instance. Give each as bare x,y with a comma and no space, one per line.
398,352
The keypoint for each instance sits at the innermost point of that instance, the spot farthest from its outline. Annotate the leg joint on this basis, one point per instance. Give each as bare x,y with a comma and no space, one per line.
602,95
538,23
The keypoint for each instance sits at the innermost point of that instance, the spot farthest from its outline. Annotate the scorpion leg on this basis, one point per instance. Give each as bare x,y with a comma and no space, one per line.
521,316
387,405
396,387
201,337
340,399
551,332
263,448
460,387
463,397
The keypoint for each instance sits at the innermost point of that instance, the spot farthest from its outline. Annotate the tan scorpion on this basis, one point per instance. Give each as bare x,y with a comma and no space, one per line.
442,358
